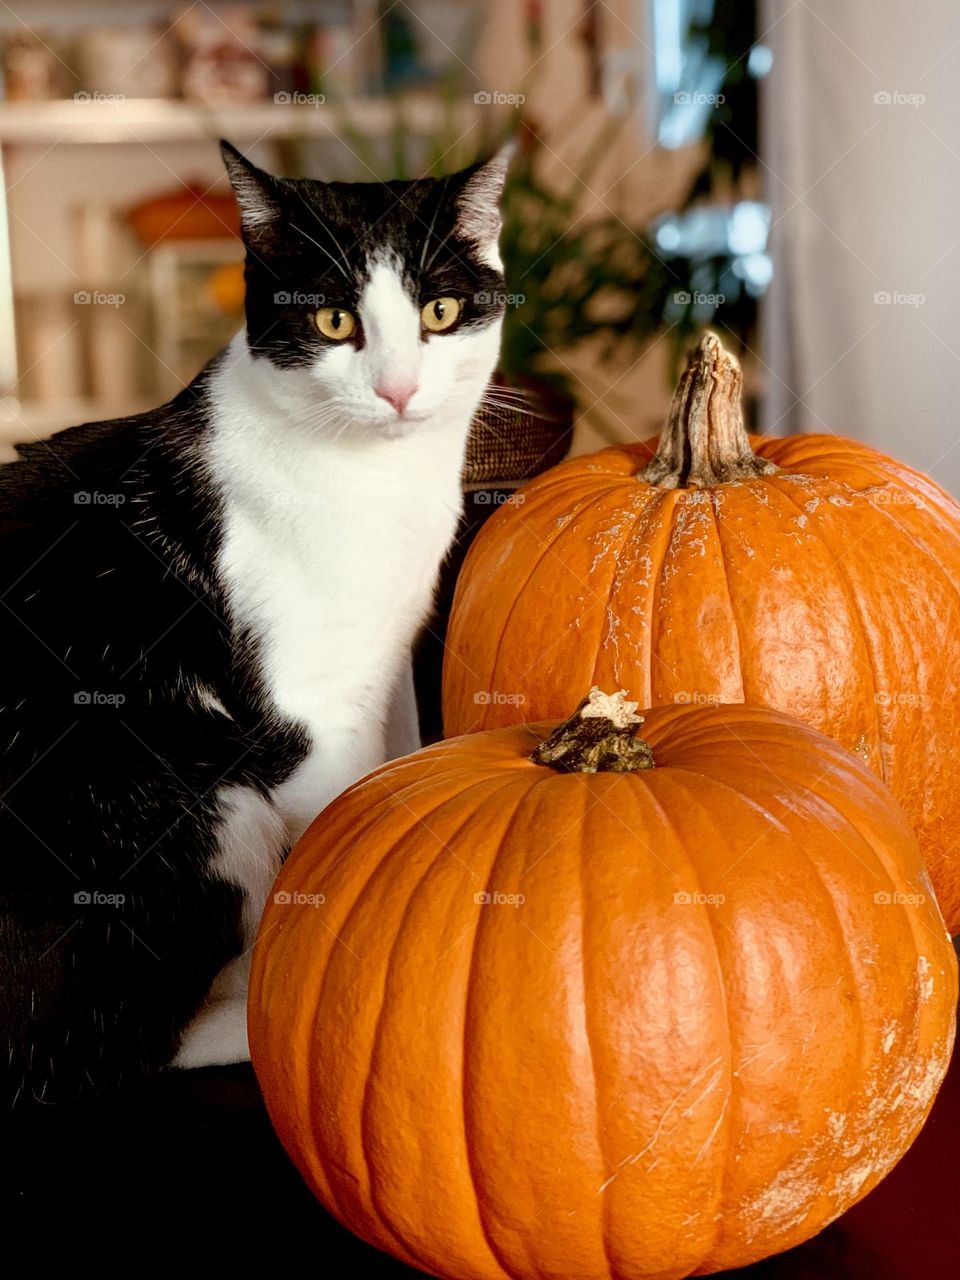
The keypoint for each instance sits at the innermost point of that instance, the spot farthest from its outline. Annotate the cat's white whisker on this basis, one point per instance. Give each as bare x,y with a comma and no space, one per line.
319,246
329,230
430,228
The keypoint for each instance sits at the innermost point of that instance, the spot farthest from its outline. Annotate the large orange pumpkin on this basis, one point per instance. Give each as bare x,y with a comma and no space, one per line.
810,574
514,1022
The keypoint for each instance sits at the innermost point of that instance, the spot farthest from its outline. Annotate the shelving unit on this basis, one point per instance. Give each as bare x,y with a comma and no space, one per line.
155,120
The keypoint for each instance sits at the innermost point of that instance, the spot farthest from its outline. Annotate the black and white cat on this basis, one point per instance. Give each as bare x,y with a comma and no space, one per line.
207,615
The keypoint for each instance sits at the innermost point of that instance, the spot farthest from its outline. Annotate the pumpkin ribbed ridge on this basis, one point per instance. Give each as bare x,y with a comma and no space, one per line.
471,978
726,1019
486,801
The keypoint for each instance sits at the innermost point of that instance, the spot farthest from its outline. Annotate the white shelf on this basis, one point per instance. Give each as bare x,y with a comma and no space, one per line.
153,120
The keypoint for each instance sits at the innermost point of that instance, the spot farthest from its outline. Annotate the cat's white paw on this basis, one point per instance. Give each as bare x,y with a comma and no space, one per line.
216,1037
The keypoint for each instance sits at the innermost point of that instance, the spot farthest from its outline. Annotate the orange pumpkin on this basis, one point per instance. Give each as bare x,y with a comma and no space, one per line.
810,574
639,1022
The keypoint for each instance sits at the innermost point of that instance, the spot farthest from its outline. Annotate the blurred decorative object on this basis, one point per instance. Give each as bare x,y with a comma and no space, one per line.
689,73
722,249
188,289
33,71
366,50
722,36
113,352
706,66
8,316
282,51
96,232
190,212
439,26
521,429
589,32
331,60
402,64
48,346
222,55
111,320
738,230
127,62
225,285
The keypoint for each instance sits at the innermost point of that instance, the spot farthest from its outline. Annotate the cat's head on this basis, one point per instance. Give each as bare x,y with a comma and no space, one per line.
382,300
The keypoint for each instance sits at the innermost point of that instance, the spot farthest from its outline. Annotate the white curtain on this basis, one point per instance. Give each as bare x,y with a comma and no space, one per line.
861,152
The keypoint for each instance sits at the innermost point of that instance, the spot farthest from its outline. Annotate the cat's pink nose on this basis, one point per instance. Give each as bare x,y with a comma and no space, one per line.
396,393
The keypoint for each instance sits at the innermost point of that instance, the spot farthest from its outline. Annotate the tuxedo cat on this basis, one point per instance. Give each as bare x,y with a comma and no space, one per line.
207,615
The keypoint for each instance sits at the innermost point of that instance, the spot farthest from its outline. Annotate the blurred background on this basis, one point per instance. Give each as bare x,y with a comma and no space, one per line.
782,172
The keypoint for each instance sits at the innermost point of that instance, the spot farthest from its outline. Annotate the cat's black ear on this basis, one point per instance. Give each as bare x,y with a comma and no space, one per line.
257,193
478,203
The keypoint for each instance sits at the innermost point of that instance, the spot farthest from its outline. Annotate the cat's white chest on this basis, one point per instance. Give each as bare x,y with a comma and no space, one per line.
331,564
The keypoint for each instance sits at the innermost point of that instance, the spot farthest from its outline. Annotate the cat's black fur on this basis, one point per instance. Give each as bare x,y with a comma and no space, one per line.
111,620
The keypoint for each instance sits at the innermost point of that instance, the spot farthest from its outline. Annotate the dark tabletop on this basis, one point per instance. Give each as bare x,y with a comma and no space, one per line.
185,1174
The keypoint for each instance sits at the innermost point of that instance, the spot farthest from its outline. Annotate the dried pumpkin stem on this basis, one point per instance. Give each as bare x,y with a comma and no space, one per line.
600,737
705,442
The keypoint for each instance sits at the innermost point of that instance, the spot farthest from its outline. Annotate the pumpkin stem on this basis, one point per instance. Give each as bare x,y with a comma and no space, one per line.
705,442
600,737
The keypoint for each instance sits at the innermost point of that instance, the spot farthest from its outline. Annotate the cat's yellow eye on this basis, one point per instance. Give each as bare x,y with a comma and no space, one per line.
441,313
335,323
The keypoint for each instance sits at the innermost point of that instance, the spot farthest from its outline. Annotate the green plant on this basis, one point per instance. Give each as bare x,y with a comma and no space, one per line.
575,281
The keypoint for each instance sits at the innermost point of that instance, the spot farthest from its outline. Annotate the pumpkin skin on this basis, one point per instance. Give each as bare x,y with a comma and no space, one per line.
603,1080
829,589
